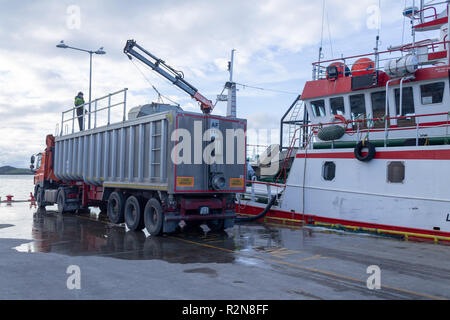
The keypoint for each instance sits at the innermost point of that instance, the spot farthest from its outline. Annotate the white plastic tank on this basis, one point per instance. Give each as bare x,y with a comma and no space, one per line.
402,66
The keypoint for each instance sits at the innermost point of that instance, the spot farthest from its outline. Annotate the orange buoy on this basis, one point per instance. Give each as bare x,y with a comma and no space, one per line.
363,66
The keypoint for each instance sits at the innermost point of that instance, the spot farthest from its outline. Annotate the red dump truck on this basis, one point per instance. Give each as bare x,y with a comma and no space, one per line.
130,170
158,165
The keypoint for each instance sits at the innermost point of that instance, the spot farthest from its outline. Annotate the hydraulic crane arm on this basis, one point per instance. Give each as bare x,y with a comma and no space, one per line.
174,76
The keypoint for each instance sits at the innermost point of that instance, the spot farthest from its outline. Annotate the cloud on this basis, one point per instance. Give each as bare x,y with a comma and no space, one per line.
276,41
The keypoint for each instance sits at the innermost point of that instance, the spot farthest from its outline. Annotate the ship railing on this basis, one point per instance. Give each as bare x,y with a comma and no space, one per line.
95,113
271,189
417,127
285,164
421,49
418,14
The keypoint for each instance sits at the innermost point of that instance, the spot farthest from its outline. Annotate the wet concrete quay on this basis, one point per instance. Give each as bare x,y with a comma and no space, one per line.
249,261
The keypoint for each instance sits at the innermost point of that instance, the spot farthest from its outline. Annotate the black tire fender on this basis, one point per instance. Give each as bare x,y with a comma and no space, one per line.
370,154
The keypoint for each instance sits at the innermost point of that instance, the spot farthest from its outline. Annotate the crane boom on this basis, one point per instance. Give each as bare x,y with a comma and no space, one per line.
174,76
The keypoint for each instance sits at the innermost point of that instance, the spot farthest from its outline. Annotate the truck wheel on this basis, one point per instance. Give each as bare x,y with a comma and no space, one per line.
61,201
39,195
116,204
153,217
134,214
215,225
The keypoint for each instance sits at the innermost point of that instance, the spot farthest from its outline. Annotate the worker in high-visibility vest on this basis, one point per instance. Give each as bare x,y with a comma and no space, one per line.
79,101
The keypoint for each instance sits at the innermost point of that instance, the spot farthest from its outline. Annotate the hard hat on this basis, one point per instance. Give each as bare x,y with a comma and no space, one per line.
80,93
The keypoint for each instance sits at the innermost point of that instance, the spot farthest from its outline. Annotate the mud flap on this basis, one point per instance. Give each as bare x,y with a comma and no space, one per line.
170,226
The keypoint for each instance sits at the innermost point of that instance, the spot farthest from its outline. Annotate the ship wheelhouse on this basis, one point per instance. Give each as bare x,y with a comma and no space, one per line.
405,102
421,112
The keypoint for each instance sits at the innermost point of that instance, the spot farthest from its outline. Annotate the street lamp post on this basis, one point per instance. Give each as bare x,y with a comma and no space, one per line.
62,45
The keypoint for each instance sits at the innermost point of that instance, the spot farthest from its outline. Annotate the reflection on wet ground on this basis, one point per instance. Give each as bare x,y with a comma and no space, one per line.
92,235
333,260
84,235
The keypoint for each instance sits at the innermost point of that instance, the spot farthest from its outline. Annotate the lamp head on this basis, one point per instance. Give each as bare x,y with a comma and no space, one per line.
100,51
62,45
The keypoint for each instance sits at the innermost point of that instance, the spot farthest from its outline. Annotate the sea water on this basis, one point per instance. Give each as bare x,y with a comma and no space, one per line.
19,186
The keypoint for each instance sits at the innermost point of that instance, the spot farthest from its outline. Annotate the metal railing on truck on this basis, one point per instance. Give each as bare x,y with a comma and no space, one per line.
94,108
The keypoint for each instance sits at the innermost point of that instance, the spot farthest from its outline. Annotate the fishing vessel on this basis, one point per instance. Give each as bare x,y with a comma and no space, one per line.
368,139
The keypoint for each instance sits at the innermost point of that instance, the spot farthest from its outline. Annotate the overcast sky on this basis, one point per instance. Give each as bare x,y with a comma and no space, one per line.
276,42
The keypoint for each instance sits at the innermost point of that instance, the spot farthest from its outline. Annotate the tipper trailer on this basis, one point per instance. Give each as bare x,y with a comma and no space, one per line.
160,166
154,170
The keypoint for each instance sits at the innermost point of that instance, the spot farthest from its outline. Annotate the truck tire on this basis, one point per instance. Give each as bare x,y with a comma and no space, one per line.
153,217
134,214
61,201
39,195
116,204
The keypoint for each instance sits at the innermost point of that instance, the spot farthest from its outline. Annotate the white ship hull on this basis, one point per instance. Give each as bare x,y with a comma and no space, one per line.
361,192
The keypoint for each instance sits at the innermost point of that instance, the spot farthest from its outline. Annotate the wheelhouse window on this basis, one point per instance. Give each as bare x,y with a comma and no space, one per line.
407,101
378,108
357,106
432,93
318,108
396,172
329,170
407,107
358,109
337,106
378,103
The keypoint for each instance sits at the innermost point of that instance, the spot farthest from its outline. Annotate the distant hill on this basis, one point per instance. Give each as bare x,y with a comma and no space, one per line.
11,170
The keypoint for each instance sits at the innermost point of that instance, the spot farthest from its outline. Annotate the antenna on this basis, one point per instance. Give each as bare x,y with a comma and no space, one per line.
231,86
321,41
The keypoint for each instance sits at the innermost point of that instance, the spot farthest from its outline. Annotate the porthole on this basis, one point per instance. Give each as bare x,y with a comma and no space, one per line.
396,172
329,170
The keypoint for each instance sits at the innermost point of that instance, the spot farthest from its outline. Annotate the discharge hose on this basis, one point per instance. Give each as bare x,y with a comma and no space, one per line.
259,216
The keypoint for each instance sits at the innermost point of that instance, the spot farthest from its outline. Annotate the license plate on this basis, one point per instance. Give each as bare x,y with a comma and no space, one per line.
204,210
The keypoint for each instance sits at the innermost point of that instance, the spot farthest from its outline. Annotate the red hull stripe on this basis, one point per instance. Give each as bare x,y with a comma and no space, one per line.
406,154
317,220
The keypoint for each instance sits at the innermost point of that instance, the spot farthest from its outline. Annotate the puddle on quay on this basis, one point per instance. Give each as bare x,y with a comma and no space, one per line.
91,235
